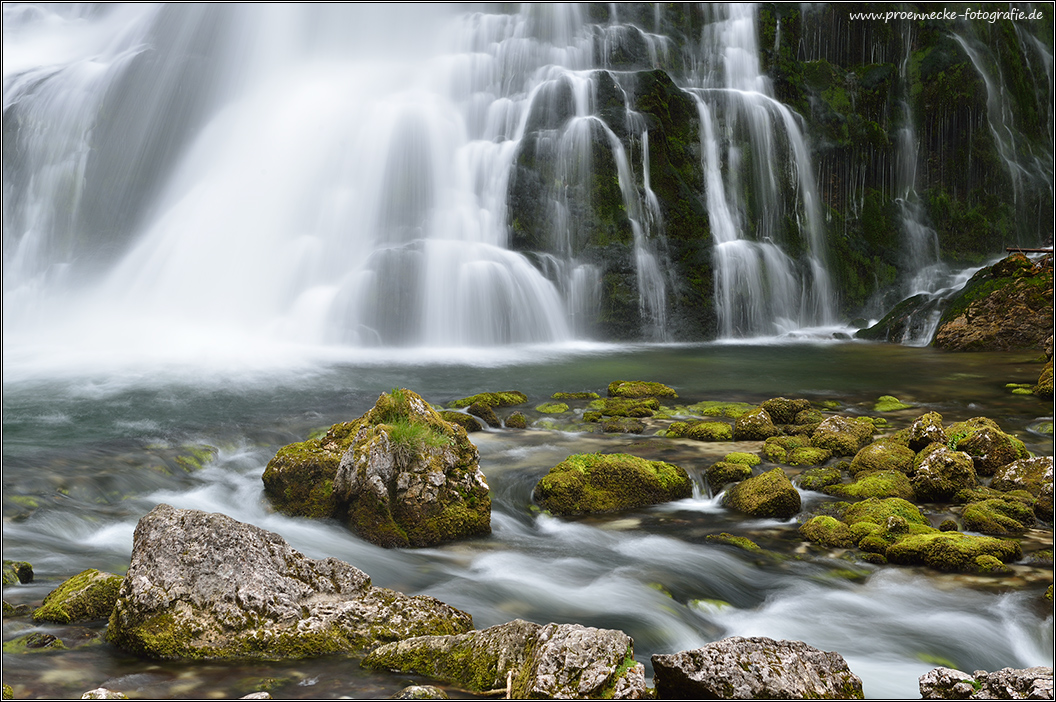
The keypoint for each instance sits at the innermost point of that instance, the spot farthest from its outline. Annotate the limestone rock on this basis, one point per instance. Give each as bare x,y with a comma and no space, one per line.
756,425
942,473
755,668
927,429
203,585
1005,684
552,661
844,436
768,495
586,483
1005,307
90,594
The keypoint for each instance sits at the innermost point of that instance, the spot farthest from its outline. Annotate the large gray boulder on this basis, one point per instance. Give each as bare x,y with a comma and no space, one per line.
741,668
530,660
203,585
1005,684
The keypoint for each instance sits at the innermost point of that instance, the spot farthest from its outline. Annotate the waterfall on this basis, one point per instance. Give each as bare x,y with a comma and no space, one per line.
747,135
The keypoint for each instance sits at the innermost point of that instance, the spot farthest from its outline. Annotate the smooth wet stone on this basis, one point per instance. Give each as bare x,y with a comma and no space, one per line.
755,668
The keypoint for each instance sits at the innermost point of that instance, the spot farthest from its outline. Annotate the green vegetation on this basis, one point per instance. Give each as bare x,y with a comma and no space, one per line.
588,483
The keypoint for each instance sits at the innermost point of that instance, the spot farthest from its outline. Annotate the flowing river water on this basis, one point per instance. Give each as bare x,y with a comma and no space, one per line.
89,447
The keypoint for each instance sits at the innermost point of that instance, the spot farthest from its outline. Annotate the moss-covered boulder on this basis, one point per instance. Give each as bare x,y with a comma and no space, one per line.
768,495
537,662
1043,388
926,429
203,585
998,517
827,531
462,419
588,483
889,403
883,455
1034,475
552,408
90,594
982,439
485,413
942,474
17,572
951,551
878,484
776,448
877,511
400,475
724,472
748,459
755,425
409,478
818,477
624,407
506,398
299,480
622,425
844,436
701,431
636,389
807,456
783,410
517,420
1005,307
574,396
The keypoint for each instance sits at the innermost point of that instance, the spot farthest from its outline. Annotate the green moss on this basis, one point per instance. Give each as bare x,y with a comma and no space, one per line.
768,495
722,473
621,407
552,408
877,511
776,448
9,693
516,421
827,531
819,477
17,572
951,551
196,457
740,542
466,421
808,456
90,594
709,408
748,459
709,431
883,455
574,396
889,403
35,641
878,485
998,517
506,398
587,483
639,389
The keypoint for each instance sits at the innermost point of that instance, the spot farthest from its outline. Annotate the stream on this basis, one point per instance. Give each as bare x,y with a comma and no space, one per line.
92,442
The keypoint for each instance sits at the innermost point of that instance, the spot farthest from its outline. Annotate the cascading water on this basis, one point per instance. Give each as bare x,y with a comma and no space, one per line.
315,186
760,289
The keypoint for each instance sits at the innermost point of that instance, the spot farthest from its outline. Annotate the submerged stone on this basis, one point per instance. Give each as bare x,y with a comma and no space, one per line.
889,403
203,585
755,668
90,594
587,483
